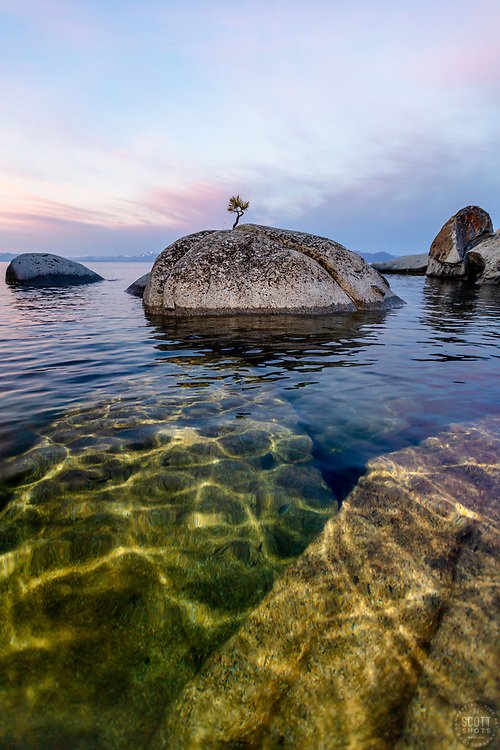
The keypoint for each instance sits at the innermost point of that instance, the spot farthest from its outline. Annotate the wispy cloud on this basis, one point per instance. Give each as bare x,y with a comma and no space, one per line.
145,119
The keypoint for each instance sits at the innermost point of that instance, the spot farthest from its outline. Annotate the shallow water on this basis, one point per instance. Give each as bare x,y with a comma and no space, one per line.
158,476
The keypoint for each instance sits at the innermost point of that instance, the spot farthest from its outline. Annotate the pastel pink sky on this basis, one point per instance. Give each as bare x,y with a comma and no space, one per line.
125,125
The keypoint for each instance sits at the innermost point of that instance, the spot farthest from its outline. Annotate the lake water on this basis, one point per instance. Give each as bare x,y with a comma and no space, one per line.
159,475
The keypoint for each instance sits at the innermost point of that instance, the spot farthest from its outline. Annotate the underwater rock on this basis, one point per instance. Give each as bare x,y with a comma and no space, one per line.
384,627
45,269
31,466
127,560
262,269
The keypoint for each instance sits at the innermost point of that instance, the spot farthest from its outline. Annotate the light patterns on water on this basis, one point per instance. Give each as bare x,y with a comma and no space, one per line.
133,544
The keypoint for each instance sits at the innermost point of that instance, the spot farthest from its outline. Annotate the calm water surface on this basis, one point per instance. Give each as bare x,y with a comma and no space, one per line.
158,475
359,385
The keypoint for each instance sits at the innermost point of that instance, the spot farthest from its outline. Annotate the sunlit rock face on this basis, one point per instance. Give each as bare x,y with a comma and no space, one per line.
262,269
44,269
381,631
131,545
447,255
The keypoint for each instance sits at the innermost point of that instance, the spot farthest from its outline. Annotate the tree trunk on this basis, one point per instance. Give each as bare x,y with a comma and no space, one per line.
239,214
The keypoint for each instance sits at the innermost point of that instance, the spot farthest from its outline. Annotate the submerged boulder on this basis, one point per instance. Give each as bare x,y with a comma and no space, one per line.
415,265
384,627
132,546
138,286
262,269
45,269
447,254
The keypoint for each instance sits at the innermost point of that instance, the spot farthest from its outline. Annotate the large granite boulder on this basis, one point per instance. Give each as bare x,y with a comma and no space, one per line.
484,260
447,255
45,269
416,265
262,270
136,289
381,631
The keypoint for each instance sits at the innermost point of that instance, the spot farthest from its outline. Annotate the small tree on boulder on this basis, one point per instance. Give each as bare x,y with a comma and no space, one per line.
237,206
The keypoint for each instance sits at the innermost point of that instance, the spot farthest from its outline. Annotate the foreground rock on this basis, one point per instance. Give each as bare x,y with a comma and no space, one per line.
447,255
131,547
381,631
262,269
138,286
45,269
407,264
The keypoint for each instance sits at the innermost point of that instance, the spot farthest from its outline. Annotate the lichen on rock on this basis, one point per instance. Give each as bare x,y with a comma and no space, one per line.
262,269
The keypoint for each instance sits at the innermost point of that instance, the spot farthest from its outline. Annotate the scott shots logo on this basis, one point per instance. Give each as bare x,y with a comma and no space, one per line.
475,725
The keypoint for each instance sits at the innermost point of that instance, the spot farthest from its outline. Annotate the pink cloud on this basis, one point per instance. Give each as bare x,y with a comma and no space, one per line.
197,205
153,220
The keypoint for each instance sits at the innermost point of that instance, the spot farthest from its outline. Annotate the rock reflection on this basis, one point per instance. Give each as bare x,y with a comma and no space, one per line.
452,304
287,341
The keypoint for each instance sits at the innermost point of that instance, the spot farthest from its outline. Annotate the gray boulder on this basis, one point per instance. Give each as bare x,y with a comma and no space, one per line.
45,269
408,264
460,233
484,260
138,286
257,269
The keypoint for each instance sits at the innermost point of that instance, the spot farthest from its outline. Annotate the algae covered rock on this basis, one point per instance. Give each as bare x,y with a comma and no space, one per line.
262,269
132,543
381,631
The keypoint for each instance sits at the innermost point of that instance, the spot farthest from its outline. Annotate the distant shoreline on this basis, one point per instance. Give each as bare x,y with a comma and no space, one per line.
7,257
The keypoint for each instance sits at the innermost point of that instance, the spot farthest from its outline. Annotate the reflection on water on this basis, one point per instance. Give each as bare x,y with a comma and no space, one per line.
158,475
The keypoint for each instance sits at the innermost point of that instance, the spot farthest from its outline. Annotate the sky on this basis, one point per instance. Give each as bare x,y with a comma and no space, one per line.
125,124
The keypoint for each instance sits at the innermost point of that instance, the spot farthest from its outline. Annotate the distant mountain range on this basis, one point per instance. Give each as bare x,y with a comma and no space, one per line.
152,255
142,258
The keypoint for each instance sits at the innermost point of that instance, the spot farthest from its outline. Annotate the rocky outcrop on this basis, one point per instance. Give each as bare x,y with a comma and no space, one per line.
262,269
138,286
381,631
415,265
484,260
447,255
45,269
